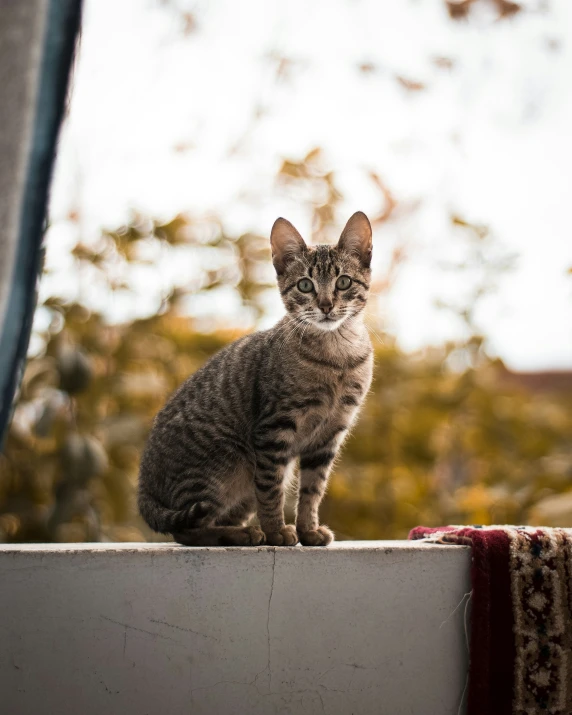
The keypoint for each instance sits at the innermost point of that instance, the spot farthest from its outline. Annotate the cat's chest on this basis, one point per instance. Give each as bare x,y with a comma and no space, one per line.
333,400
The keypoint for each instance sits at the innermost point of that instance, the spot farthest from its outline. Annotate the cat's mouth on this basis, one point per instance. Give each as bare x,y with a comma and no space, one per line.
329,322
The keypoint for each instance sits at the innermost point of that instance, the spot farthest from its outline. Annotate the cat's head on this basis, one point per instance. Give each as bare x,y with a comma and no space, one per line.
323,285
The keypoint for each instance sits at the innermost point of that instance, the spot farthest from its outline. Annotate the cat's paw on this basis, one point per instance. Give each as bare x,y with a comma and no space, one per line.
243,536
322,536
287,536
256,535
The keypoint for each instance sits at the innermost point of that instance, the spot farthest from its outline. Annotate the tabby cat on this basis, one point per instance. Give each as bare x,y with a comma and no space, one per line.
224,446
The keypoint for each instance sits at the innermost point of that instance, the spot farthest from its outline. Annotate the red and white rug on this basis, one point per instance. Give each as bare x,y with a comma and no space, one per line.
521,617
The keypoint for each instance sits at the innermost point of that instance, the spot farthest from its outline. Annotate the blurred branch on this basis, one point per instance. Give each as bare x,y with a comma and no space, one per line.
409,84
317,188
389,203
460,9
187,18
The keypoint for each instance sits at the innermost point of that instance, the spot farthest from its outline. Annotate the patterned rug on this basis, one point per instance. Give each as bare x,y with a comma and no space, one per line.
521,617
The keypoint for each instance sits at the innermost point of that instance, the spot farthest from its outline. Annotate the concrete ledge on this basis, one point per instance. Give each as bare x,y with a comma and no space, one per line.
360,627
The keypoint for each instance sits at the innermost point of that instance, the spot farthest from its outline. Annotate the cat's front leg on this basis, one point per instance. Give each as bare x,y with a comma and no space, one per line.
315,467
271,467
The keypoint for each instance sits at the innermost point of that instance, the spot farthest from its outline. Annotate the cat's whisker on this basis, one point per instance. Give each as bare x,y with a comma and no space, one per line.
287,334
284,338
302,335
371,329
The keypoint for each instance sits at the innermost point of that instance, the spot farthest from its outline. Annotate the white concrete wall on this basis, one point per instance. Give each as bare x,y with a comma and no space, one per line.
115,629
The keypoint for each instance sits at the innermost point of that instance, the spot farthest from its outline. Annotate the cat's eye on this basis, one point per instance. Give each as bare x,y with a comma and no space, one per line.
343,282
305,285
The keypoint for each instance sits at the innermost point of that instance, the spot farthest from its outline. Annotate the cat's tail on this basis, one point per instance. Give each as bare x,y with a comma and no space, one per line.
166,520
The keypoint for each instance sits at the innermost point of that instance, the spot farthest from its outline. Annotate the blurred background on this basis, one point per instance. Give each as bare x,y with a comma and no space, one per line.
191,126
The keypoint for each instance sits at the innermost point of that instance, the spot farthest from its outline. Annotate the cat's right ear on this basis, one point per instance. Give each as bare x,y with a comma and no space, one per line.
286,244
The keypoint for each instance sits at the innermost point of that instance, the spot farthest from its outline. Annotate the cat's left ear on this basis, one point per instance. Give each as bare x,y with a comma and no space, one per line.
356,238
286,243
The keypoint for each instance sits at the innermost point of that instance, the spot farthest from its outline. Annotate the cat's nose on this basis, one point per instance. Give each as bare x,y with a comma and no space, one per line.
325,306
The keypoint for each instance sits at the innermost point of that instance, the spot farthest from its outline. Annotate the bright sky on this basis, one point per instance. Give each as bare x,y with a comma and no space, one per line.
489,139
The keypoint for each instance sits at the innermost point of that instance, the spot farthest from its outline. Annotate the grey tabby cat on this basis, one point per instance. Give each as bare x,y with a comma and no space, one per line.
224,446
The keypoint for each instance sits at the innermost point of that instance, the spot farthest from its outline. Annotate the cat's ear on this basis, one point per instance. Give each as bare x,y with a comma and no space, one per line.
356,238
286,244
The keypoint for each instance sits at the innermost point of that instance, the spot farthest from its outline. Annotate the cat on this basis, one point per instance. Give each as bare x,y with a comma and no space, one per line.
224,446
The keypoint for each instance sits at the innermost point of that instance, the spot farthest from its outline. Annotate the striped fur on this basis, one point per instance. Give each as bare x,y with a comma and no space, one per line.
225,445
